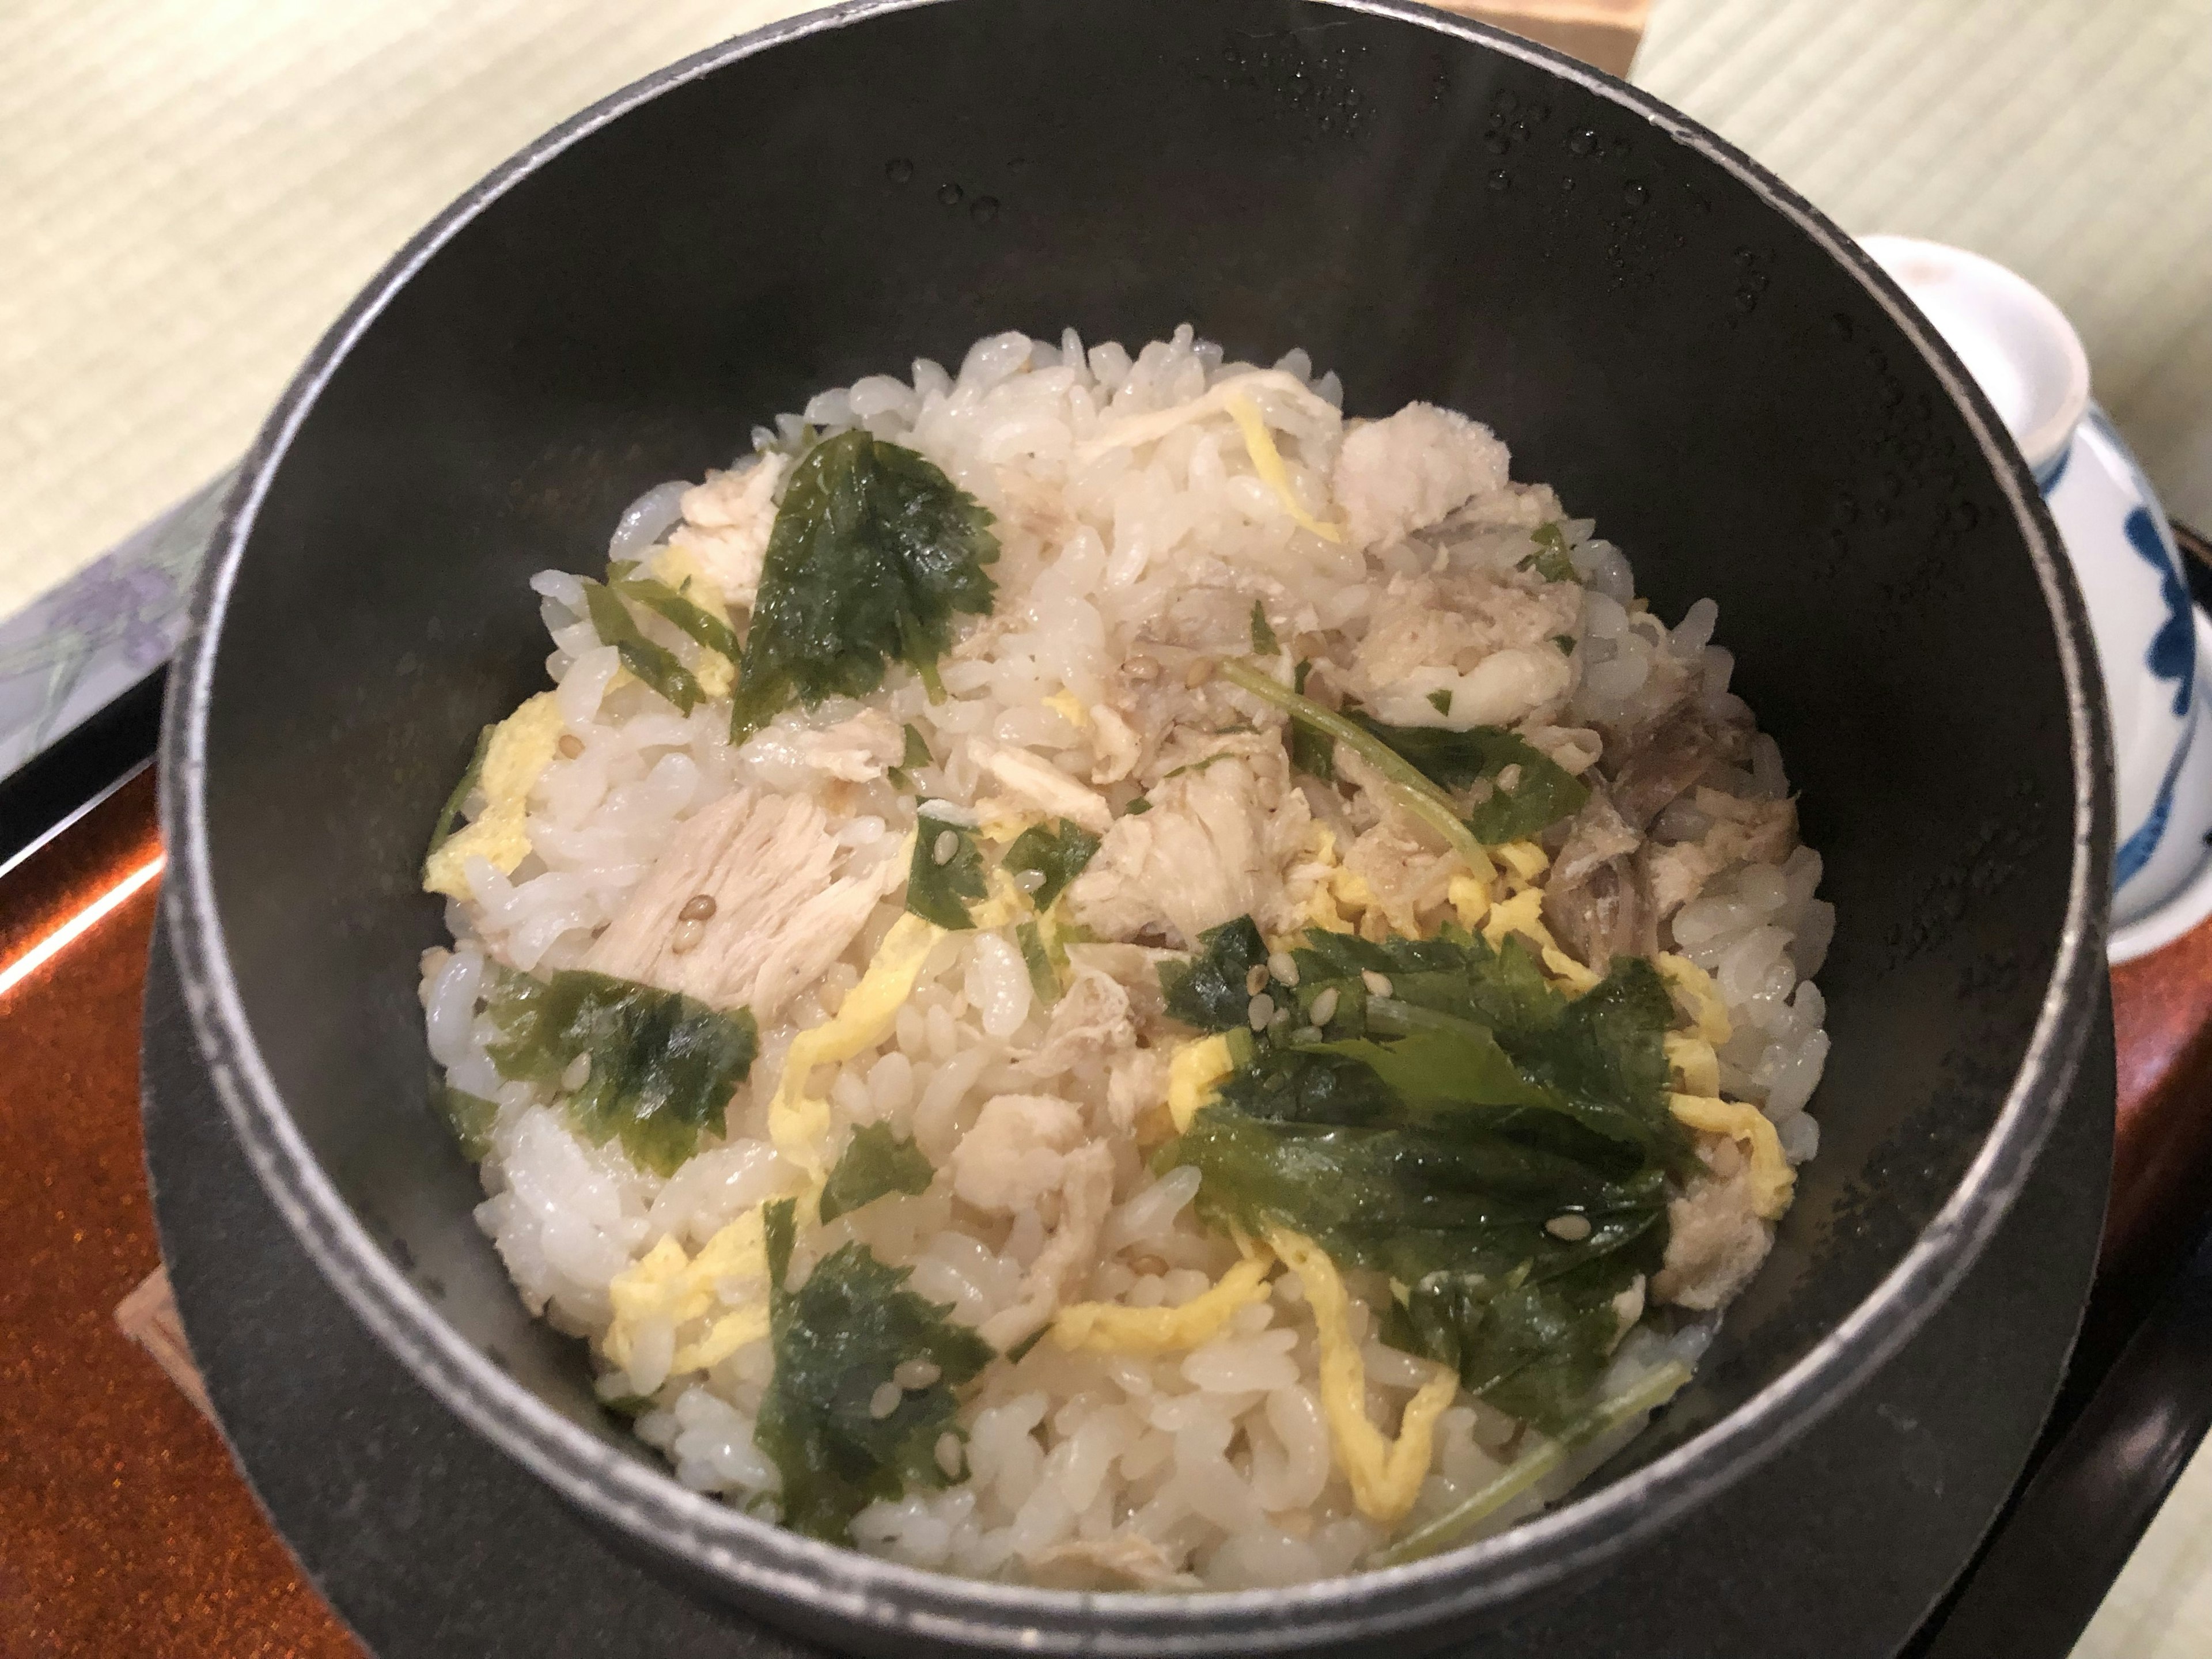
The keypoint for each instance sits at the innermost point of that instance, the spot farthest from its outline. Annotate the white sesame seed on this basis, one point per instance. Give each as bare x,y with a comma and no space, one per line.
1324,1007
942,849
1141,668
1306,1034
570,745
885,1400
686,937
917,1373
1572,1228
700,907
1283,967
1030,880
577,1073
1256,979
1198,673
1508,777
1378,985
948,1454
1261,1011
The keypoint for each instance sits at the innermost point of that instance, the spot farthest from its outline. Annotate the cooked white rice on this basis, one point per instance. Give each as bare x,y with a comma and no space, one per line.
1124,569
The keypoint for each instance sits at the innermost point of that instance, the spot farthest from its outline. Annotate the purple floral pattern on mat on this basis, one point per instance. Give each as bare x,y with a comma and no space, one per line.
74,650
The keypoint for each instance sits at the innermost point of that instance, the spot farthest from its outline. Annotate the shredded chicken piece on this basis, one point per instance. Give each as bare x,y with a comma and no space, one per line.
784,910
1022,1148
726,524
1742,832
1396,475
1040,784
1716,1240
1487,645
1666,759
1597,835
1136,969
1136,1086
1124,1560
1216,845
1114,743
857,750
1091,1023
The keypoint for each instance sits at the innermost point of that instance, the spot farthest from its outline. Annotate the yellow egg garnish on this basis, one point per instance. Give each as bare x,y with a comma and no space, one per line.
1111,1328
1697,1068
1524,913
1194,1072
1772,1180
798,1125
522,746
667,1283
1385,1475
1695,986
1268,462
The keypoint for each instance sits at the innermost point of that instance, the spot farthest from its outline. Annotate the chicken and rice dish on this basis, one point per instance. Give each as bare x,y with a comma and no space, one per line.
1093,974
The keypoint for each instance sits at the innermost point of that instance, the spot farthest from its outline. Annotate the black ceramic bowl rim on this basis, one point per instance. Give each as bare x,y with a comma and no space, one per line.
767,1565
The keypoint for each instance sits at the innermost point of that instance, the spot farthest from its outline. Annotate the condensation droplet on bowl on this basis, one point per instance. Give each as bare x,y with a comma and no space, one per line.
898,169
949,195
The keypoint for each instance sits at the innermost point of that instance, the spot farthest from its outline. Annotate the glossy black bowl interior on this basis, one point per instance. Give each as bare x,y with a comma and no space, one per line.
1686,352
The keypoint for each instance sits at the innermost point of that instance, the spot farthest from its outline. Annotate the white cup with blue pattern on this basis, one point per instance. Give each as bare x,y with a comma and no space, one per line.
2153,645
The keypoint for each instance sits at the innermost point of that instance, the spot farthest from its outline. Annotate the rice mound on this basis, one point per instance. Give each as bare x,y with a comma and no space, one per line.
1131,557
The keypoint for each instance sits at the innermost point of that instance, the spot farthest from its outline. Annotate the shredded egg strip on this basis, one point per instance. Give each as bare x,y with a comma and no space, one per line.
667,1284
1113,1327
1524,913
1709,1014
1268,462
798,1125
1772,1180
1385,1475
1196,1070
522,746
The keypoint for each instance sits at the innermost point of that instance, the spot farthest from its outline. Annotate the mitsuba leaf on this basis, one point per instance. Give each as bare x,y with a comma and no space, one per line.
1036,956
1434,1126
1543,791
655,664
1057,852
449,815
1312,752
1263,637
837,1339
662,1065
693,618
873,553
1209,990
469,1116
875,1163
1550,560
940,889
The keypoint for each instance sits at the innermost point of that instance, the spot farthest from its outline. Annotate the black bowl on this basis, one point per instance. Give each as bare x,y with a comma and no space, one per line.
1684,349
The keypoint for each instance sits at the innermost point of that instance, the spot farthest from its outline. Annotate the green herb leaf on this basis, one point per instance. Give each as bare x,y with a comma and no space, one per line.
1434,1132
663,1066
1543,791
875,1163
469,1116
1264,642
693,618
1440,700
1057,852
1312,752
917,751
1550,560
1136,808
1566,642
655,664
1044,979
873,553
940,889
1208,991
449,815
837,1339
